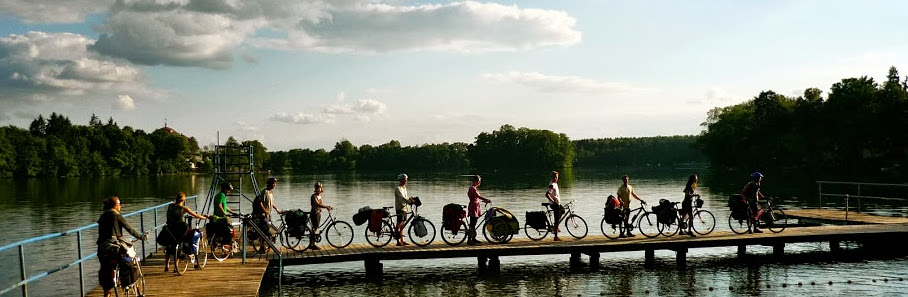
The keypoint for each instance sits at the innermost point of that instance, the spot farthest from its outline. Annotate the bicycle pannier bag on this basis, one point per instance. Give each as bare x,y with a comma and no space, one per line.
452,216
612,215
362,216
536,219
128,271
419,227
375,221
194,246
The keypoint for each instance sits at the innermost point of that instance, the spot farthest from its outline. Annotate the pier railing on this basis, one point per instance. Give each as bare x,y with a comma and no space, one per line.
855,195
23,245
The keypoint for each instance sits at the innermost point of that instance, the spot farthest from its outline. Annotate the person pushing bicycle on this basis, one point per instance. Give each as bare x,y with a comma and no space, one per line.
473,209
110,235
752,194
625,191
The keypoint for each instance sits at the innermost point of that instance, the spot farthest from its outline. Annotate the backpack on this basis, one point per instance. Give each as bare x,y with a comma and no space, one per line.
362,216
612,202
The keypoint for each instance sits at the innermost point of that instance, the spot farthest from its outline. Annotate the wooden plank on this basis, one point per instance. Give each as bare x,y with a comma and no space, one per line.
232,278
839,215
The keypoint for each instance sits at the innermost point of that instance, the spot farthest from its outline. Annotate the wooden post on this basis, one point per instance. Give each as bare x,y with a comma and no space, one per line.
482,263
373,268
778,249
594,261
575,261
681,257
742,251
649,258
834,246
494,265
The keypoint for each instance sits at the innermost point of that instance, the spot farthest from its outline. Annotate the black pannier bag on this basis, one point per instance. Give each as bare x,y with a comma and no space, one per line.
536,219
665,212
296,222
613,215
738,207
362,215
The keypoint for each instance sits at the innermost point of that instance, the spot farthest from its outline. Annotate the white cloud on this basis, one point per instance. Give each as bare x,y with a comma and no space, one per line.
714,96
560,84
58,66
246,127
362,106
303,118
124,102
460,27
52,11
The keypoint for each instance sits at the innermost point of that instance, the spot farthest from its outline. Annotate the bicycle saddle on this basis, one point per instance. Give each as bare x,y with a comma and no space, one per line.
546,204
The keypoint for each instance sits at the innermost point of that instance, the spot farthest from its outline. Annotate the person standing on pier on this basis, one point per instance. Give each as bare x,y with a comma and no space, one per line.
315,214
554,196
110,234
625,191
401,206
177,227
687,205
751,194
262,206
473,209
220,203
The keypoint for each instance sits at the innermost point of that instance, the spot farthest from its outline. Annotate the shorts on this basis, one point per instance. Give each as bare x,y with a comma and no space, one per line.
401,217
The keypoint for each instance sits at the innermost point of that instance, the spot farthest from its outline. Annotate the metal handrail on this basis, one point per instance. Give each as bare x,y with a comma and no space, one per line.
856,195
247,221
78,231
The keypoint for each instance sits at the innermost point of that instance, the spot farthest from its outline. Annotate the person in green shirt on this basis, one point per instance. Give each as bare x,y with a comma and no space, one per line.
220,201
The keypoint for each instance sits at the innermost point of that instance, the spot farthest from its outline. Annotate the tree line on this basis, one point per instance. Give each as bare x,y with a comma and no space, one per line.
55,147
857,132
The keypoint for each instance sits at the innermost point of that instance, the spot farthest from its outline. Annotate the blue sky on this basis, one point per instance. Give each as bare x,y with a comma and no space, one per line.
306,73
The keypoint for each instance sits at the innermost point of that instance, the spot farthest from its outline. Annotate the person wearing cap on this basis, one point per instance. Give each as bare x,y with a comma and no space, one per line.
751,194
401,206
315,214
220,203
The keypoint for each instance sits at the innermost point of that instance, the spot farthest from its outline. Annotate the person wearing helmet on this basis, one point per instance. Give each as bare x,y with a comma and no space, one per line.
751,194
401,205
315,214
220,202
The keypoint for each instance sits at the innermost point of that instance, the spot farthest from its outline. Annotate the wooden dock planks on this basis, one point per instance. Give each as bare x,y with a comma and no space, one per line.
833,215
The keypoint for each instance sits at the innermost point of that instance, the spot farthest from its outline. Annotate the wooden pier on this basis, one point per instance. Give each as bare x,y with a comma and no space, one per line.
232,278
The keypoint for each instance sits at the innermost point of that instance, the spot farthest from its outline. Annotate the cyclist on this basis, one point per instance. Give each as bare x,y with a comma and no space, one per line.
401,205
473,209
625,191
554,196
177,227
219,220
687,207
751,194
110,233
315,214
262,206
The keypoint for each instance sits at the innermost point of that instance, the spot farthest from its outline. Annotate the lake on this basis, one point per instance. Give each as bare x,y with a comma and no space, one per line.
33,207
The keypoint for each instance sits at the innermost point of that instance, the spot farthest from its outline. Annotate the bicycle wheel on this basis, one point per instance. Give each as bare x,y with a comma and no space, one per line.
219,250
776,220
293,241
738,226
382,237
670,229
536,234
455,238
339,234
496,230
425,239
201,255
649,225
576,226
612,231
181,259
704,222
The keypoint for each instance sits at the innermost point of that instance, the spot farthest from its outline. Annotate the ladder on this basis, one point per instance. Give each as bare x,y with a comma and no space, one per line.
233,164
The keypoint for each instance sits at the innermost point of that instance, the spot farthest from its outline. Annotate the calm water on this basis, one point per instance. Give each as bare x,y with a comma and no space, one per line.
37,207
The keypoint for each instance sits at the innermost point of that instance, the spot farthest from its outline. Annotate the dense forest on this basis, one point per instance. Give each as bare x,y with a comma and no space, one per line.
56,147
857,132
640,151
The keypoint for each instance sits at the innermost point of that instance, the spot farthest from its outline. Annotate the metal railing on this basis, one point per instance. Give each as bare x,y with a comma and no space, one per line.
280,256
21,245
853,192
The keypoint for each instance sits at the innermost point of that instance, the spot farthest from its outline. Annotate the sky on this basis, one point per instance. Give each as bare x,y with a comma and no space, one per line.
310,73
